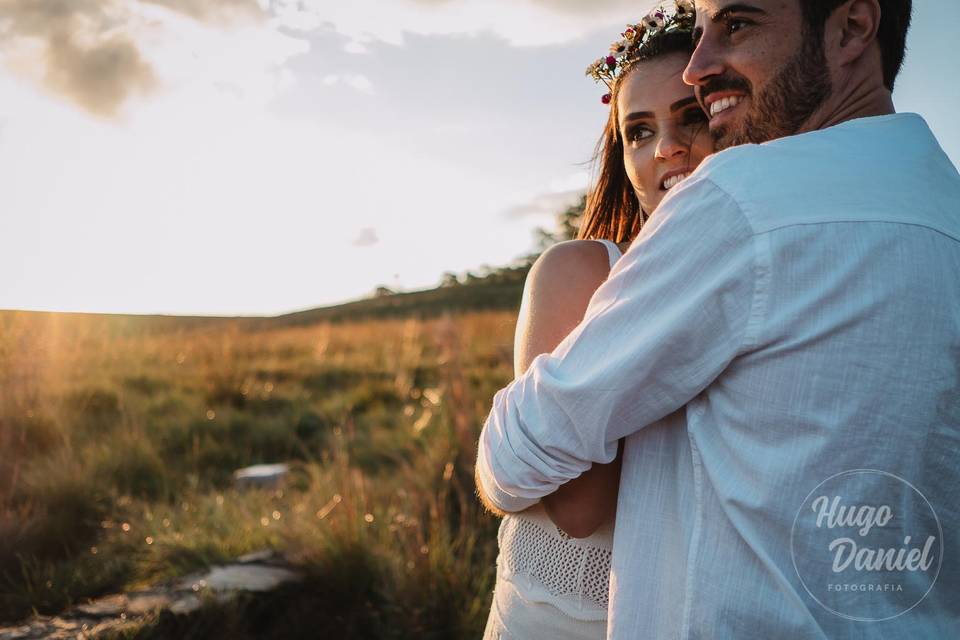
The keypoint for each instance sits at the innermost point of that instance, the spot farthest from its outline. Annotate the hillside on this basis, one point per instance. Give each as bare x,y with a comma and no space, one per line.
497,291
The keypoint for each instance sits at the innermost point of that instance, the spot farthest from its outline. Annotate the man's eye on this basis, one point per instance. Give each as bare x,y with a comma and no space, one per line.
735,24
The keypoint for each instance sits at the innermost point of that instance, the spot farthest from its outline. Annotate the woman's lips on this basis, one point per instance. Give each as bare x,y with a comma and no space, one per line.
673,178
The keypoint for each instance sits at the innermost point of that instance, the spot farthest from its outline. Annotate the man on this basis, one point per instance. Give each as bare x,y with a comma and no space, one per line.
797,302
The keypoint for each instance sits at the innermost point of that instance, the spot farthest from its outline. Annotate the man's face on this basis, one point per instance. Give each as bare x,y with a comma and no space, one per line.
756,72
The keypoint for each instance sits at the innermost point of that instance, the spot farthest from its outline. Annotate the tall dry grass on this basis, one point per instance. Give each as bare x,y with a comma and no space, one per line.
119,448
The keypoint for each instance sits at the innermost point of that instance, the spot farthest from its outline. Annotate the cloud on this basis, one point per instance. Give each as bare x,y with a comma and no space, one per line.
545,204
215,11
356,47
99,54
99,78
576,7
520,22
366,238
579,7
356,81
73,47
561,194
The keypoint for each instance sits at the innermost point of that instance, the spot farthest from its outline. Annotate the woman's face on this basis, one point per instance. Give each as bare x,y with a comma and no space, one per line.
664,131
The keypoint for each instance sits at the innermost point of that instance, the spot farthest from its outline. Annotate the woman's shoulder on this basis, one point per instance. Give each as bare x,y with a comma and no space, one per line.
574,259
569,267
583,253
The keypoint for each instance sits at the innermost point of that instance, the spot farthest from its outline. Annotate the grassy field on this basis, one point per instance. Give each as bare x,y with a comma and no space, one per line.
119,446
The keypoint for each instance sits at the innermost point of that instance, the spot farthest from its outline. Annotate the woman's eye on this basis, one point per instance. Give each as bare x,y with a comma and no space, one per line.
638,134
694,116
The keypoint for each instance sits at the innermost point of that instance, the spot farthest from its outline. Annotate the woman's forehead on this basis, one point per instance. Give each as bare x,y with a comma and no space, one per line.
654,85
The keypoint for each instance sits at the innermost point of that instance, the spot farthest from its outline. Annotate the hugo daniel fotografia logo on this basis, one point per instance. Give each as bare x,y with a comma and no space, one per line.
867,545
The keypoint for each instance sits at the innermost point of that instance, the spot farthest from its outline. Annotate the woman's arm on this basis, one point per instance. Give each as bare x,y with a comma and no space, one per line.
556,295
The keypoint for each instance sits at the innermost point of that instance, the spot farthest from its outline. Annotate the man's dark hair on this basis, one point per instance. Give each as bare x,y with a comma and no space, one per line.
892,35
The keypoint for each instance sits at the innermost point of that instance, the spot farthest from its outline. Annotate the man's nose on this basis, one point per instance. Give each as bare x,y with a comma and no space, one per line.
704,63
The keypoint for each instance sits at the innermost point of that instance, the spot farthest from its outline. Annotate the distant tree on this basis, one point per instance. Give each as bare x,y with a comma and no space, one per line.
449,279
566,227
382,291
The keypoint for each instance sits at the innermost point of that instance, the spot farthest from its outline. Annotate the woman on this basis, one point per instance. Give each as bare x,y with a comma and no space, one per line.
554,563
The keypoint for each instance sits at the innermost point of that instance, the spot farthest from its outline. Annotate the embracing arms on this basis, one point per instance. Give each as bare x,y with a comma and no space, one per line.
558,292
555,298
676,309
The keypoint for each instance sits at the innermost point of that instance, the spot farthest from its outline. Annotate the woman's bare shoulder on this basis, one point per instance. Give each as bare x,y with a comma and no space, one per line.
574,256
572,268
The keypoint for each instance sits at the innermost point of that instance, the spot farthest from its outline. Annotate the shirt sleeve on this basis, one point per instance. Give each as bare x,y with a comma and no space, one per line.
675,310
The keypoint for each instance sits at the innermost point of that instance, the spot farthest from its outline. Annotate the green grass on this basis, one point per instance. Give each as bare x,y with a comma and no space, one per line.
122,445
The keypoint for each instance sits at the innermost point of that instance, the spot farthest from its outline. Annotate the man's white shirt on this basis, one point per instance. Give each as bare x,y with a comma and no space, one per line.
791,312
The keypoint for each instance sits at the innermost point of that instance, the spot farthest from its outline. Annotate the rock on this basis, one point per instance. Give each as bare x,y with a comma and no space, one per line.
108,625
259,571
266,556
15,633
261,476
242,577
64,625
185,605
104,607
143,604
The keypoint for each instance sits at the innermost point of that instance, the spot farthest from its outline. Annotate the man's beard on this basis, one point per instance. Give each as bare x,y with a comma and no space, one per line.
790,98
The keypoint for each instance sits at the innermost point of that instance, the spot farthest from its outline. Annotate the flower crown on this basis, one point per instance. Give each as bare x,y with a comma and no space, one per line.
624,52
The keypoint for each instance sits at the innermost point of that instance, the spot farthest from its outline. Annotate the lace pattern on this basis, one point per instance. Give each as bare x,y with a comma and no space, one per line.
565,567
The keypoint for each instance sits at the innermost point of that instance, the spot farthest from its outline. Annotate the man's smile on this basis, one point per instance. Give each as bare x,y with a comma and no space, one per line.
722,105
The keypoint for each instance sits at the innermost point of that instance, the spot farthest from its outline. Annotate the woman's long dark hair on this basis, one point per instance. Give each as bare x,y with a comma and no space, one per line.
613,211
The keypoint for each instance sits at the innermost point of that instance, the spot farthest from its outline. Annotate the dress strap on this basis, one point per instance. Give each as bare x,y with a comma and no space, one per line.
612,249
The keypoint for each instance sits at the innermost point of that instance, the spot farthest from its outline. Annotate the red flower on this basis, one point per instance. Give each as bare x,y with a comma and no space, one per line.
611,62
605,99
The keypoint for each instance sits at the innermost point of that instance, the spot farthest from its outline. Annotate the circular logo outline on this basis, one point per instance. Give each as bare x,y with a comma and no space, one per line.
793,556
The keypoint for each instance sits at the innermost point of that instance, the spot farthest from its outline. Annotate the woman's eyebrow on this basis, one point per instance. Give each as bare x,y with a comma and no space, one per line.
638,115
676,106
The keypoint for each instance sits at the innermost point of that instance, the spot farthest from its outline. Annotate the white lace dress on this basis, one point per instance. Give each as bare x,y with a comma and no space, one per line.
550,585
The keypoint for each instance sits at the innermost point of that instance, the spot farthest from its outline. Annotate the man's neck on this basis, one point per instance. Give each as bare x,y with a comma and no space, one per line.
852,103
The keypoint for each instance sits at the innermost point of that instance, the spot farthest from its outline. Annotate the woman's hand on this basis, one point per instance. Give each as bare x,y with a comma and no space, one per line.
580,506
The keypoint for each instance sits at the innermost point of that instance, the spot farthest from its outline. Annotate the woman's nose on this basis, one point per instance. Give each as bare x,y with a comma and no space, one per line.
670,146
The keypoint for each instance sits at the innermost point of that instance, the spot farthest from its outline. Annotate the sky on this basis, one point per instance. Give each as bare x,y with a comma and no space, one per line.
255,157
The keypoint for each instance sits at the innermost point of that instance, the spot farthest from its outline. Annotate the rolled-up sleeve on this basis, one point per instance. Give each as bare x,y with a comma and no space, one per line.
677,308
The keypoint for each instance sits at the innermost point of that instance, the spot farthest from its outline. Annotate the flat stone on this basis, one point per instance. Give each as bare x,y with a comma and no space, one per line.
64,625
104,607
143,604
264,476
15,633
185,605
258,557
242,577
258,572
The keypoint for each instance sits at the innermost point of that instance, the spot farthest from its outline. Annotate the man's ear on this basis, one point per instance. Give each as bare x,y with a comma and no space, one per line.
852,29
